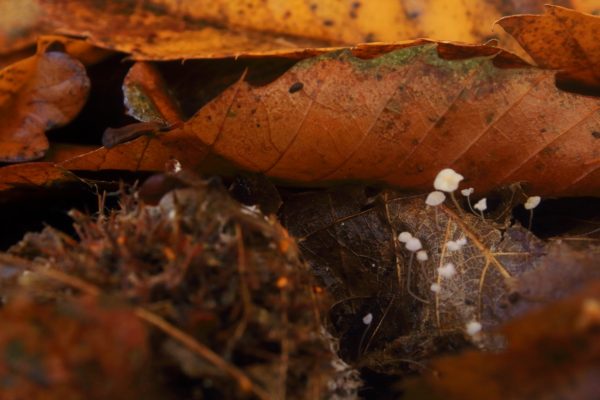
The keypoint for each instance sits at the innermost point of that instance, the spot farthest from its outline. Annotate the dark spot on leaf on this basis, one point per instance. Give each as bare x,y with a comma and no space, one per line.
313,7
369,37
543,130
440,122
328,22
412,14
296,87
596,134
489,118
514,297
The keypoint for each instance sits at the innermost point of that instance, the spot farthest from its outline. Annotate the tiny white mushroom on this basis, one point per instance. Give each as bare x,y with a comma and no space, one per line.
481,206
413,244
367,319
531,203
404,237
435,198
447,271
447,180
451,245
435,287
467,192
422,256
456,245
473,328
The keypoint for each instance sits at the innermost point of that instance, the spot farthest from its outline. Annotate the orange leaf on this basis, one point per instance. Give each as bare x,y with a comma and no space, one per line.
560,39
33,174
37,94
173,29
403,116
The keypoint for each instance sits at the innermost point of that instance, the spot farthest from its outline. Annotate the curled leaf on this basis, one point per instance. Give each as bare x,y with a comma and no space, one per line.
561,39
37,94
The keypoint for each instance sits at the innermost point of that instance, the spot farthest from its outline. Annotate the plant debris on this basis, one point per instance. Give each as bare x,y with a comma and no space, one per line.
237,311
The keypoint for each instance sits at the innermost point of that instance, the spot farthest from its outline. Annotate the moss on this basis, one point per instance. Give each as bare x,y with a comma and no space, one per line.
140,106
400,58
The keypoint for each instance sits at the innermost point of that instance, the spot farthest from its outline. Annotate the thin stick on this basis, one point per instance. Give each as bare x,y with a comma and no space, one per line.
204,352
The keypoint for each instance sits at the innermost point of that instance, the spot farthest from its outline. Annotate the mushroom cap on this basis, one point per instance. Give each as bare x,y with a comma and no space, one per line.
467,192
404,236
435,198
413,244
422,255
481,205
447,180
532,202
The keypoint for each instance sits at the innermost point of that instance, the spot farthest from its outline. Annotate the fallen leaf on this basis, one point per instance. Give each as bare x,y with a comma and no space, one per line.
39,174
551,353
351,240
37,94
401,117
561,39
147,97
171,29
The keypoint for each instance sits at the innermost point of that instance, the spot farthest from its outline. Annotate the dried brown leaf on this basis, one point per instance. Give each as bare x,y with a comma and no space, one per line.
403,116
351,241
552,353
37,94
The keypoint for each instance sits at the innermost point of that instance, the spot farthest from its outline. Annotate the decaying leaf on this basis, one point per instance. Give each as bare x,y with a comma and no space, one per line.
227,278
561,39
552,353
37,94
40,174
171,29
421,308
403,116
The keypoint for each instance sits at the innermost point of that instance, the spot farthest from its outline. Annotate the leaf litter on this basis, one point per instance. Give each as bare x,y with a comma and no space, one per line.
395,305
237,313
350,237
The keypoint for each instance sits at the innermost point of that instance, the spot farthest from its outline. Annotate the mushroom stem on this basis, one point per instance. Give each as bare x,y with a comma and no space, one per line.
530,218
458,207
470,206
408,281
